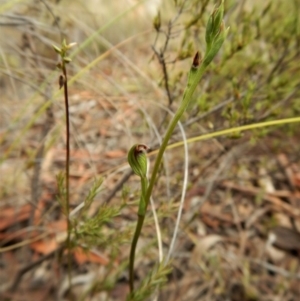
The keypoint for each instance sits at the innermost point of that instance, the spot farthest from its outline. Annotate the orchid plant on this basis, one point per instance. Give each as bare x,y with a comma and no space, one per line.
215,36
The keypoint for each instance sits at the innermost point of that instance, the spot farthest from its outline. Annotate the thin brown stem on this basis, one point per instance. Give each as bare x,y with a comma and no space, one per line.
65,84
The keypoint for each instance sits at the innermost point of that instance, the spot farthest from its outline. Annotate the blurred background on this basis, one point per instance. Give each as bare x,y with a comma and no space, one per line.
239,233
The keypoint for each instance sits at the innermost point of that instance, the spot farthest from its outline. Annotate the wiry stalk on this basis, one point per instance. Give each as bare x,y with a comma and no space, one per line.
63,83
69,226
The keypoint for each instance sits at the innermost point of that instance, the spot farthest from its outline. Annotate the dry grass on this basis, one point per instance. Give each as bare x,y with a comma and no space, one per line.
238,189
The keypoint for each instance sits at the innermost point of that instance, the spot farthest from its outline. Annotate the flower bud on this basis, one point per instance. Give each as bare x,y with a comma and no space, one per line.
57,49
157,22
67,59
137,159
216,45
213,24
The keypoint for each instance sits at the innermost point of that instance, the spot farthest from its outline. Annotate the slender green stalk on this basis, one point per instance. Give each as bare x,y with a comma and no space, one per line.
135,239
169,132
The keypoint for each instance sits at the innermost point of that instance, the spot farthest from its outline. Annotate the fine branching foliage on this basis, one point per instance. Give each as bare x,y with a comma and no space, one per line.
155,280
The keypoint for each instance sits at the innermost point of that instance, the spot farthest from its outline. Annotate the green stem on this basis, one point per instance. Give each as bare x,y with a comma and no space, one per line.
187,97
135,239
141,217
142,205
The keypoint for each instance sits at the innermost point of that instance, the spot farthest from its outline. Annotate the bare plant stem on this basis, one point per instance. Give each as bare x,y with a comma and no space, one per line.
69,226
63,83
